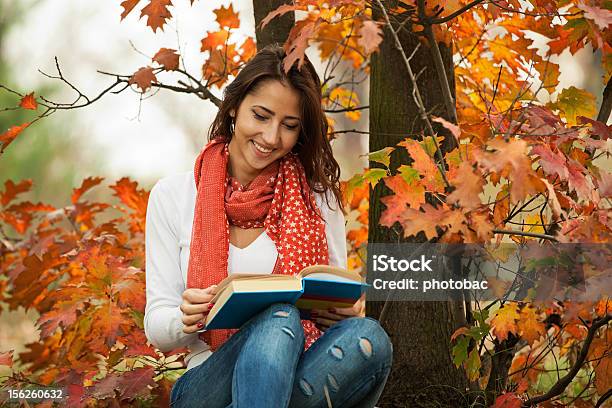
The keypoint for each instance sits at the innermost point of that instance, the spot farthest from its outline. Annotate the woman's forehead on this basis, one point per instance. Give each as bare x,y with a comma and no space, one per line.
277,98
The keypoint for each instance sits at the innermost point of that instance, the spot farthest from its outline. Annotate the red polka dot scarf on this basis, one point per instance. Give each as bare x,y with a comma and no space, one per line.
278,199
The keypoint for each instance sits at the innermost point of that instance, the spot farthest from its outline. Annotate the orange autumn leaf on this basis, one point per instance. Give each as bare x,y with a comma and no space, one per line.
86,184
128,6
405,195
468,186
424,164
7,137
529,327
227,17
143,78
504,321
157,13
12,190
28,102
168,58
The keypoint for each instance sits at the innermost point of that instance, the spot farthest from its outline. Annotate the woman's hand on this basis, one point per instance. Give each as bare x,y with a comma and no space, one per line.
324,319
196,305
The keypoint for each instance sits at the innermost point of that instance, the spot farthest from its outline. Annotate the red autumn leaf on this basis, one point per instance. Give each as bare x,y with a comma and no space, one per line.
507,400
135,383
6,358
168,58
28,102
370,36
86,184
105,388
143,78
12,190
227,17
552,163
504,321
136,343
7,137
469,184
482,225
157,13
128,6
415,221
605,184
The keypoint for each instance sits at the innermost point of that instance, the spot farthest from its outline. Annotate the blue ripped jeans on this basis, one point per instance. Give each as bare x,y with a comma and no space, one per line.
263,365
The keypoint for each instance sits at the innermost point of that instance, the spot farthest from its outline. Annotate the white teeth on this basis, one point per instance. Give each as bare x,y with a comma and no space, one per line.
260,148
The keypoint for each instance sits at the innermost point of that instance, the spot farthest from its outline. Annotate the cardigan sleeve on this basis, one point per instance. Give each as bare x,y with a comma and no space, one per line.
335,230
164,280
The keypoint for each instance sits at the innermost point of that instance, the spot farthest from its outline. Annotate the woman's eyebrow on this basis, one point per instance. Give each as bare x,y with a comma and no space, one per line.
271,112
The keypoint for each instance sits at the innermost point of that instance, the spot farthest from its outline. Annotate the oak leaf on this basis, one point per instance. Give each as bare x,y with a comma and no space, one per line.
12,190
168,58
405,195
504,321
28,102
371,36
136,383
86,184
143,78
296,44
529,327
469,184
157,13
128,6
7,137
227,17
601,17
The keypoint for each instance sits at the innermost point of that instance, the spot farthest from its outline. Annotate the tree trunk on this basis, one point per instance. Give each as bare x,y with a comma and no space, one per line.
423,374
278,29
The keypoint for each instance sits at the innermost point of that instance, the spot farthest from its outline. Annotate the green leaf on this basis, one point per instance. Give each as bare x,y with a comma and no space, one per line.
381,156
460,350
409,174
138,318
573,102
373,176
472,365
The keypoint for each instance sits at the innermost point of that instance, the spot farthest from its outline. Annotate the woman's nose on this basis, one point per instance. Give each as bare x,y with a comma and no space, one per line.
271,135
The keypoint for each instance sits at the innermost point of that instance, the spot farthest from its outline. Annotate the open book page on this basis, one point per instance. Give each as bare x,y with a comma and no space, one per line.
327,272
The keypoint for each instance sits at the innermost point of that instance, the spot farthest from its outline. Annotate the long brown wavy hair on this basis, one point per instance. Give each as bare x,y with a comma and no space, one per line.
312,147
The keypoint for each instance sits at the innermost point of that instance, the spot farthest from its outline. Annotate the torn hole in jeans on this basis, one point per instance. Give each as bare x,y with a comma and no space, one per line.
289,332
366,347
281,313
306,388
336,352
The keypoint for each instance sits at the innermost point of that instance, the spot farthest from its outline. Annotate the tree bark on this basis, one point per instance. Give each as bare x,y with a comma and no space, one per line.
278,29
423,374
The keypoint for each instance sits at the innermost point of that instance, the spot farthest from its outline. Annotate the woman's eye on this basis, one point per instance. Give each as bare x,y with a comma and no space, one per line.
291,127
258,116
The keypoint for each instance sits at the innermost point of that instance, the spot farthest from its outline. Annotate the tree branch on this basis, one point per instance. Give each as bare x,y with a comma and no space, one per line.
525,234
455,14
449,101
606,104
560,385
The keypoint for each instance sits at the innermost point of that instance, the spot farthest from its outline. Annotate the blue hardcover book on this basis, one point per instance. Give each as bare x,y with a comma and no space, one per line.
241,296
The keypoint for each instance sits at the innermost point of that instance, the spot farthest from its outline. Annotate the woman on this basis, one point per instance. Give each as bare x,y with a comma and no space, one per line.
263,198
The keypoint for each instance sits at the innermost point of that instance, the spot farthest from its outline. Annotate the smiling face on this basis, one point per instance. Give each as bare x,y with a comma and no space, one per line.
267,126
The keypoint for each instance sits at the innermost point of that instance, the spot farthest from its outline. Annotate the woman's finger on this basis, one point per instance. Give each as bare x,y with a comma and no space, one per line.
196,296
189,320
191,309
